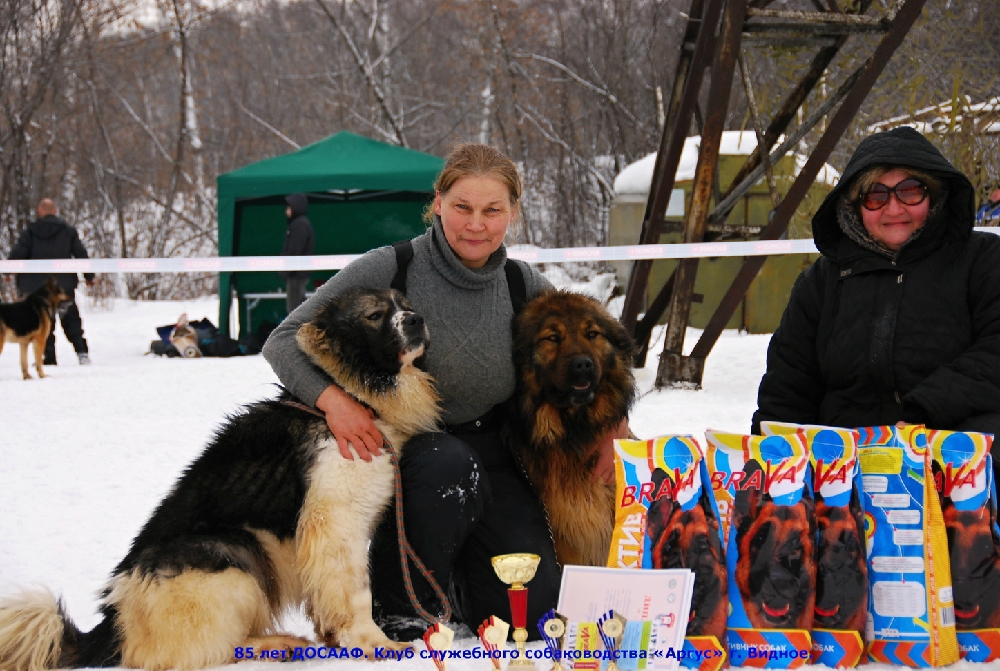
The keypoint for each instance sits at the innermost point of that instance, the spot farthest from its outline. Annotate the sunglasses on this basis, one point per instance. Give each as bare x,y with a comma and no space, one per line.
911,191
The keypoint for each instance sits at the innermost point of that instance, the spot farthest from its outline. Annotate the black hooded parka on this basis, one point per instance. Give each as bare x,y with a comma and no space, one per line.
868,340
48,237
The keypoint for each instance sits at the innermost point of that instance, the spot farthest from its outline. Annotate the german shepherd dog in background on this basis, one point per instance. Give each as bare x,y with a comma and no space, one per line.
30,321
776,567
975,565
573,363
842,568
270,516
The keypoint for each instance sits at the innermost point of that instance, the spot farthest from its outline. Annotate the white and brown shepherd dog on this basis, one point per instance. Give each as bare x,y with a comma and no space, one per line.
30,320
270,516
574,384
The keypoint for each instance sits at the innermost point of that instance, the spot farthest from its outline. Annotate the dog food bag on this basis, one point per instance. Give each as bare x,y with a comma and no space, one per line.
841,565
963,476
666,517
911,611
764,492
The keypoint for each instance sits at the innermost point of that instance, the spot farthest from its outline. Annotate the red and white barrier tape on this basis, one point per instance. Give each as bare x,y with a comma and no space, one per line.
228,264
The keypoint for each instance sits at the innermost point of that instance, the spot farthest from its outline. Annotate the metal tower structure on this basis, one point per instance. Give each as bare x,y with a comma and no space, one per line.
717,31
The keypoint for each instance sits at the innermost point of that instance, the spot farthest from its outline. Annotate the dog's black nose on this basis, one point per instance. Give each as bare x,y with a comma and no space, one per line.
413,319
581,364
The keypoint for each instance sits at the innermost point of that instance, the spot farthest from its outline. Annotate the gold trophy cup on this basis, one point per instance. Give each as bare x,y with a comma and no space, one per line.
515,570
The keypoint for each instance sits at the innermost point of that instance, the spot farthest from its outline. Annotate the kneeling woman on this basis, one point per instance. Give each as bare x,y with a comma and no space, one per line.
465,500
899,320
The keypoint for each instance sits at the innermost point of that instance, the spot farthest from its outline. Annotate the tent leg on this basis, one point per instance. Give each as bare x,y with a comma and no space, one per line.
225,301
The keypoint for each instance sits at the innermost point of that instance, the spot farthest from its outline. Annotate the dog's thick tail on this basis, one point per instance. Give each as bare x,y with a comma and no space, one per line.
35,632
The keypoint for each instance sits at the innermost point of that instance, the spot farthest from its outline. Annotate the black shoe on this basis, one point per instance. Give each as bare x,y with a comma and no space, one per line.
404,629
49,360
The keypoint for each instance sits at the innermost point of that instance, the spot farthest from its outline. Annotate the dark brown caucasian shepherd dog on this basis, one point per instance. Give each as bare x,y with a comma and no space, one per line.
29,321
269,517
573,363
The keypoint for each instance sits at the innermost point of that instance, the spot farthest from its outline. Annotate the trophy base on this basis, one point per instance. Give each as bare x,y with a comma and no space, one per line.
520,664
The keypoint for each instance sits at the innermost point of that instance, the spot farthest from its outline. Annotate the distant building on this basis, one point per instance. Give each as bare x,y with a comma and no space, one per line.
761,310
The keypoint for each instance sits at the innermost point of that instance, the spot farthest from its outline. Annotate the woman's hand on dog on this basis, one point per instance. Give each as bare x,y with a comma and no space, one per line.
351,423
605,469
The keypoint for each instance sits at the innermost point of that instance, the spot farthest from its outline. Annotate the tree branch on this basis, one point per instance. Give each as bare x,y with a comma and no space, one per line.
369,75
266,125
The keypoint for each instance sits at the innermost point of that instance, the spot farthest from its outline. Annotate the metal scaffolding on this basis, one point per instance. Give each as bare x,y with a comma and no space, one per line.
717,31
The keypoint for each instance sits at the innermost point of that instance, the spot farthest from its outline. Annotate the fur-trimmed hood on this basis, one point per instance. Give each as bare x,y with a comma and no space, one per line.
906,148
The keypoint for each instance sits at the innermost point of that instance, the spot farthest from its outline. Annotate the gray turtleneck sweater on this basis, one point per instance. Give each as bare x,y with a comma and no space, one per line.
468,315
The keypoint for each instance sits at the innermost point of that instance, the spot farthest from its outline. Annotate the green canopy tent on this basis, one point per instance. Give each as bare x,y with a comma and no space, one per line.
362,193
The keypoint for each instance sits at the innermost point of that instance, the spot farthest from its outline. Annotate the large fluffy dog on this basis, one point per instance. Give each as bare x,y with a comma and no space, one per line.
574,384
29,321
269,516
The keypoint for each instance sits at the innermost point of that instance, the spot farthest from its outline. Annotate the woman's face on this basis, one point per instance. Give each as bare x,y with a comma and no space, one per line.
893,224
475,213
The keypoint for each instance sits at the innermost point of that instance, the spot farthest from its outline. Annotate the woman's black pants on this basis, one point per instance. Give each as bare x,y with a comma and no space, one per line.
465,500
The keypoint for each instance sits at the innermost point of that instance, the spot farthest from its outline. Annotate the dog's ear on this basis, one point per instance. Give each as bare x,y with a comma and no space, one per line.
714,541
748,501
661,509
809,501
617,336
313,340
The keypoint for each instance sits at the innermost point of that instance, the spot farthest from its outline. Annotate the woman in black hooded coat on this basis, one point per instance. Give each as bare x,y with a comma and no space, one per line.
876,334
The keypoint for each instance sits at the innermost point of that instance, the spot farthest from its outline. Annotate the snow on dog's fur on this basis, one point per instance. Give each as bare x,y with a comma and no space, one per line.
270,516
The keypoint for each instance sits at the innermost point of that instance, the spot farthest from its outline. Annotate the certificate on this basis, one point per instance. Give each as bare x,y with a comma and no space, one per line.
662,596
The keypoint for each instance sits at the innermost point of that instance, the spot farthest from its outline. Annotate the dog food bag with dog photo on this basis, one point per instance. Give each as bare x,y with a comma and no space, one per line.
763,486
911,611
666,517
963,477
841,565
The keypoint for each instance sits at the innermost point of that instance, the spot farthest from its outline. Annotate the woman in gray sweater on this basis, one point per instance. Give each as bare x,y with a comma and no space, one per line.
465,500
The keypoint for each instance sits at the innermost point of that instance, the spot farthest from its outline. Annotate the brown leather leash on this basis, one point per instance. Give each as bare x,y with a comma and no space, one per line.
405,549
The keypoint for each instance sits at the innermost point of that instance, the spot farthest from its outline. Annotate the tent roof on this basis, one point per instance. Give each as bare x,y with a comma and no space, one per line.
341,161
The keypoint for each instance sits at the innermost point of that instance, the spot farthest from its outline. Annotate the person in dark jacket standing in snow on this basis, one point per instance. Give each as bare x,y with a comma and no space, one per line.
299,241
49,237
899,320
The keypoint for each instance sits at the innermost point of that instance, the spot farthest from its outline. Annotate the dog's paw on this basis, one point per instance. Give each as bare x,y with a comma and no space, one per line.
388,649
283,644
375,644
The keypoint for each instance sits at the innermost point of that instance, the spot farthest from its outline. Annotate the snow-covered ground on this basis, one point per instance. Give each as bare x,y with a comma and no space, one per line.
86,454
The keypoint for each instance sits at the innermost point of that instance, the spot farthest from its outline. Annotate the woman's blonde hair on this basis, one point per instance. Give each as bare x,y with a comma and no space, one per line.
479,160
867,179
